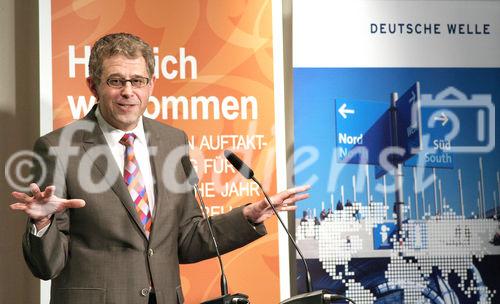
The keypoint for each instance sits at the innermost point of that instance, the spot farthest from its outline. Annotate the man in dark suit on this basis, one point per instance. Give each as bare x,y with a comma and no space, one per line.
116,216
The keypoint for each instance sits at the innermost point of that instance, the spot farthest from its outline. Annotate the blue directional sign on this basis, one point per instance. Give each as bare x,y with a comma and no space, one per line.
410,129
436,147
362,130
409,121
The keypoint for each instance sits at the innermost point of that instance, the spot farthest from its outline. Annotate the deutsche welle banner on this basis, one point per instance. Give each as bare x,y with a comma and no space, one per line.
438,61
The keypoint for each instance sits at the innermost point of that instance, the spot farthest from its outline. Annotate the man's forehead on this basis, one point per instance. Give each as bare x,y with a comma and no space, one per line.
124,64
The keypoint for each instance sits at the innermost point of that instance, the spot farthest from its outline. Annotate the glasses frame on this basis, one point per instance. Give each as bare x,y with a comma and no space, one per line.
123,82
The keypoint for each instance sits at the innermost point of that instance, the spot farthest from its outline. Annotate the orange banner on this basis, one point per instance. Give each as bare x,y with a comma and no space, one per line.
214,70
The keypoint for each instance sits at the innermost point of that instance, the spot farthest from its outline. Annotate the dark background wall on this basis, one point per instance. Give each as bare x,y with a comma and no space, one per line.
19,103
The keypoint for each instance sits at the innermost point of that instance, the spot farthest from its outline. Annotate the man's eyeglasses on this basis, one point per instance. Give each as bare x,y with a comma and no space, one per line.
136,82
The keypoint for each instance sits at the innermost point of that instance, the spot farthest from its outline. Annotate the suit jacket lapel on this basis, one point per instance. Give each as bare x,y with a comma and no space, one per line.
156,155
96,147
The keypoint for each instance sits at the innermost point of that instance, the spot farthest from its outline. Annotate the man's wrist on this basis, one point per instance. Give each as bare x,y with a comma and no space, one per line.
249,214
41,223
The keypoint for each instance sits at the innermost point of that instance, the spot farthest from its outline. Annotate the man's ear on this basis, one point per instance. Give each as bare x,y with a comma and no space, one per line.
92,87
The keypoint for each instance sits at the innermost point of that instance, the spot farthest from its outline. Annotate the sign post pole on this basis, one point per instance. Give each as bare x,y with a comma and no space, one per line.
435,191
398,174
415,193
461,192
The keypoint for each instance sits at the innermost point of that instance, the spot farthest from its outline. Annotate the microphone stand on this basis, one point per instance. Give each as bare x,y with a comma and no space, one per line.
225,297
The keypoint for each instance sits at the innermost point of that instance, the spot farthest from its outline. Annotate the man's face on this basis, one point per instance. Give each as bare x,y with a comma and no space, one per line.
122,107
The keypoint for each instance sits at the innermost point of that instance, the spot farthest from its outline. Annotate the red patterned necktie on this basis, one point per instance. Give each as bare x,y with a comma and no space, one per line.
135,182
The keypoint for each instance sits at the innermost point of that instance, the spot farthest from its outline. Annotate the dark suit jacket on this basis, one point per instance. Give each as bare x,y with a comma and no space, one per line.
100,253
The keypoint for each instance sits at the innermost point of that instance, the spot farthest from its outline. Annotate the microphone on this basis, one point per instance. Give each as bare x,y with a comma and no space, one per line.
225,297
239,165
311,297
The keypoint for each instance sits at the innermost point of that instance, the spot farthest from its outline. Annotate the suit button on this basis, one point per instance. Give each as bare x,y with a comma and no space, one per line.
145,292
151,252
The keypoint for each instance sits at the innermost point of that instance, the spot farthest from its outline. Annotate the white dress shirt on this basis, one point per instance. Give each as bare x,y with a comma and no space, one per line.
113,136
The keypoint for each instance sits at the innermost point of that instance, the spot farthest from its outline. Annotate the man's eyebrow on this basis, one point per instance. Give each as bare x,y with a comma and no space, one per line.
118,75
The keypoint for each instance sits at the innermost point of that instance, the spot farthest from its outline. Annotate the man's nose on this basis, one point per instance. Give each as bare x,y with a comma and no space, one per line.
127,89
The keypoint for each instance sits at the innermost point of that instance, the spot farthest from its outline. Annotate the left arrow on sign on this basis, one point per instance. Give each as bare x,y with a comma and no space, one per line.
343,110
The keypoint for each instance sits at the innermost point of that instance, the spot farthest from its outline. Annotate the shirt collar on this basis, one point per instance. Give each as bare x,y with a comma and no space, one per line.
114,134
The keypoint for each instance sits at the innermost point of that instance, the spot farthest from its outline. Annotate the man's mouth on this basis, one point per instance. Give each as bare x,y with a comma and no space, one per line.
125,105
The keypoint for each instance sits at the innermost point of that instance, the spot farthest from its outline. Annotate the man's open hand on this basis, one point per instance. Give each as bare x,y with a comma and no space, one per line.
42,205
283,201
